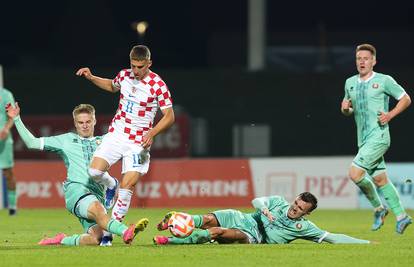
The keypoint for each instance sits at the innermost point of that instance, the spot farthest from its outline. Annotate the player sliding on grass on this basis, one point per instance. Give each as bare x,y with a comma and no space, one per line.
366,96
274,222
84,197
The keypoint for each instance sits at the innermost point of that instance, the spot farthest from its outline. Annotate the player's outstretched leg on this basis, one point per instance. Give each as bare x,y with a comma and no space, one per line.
160,240
163,224
379,218
56,240
134,229
403,224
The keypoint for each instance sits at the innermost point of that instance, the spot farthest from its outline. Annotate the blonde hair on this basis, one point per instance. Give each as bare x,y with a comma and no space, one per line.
140,53
83,108
367,47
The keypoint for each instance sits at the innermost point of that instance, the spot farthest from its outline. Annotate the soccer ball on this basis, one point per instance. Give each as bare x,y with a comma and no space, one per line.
181,224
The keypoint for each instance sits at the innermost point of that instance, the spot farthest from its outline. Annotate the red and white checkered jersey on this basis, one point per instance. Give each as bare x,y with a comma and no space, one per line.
138,104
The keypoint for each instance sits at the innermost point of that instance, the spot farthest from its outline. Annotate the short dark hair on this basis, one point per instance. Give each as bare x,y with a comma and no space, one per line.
367,47
309,198
140,53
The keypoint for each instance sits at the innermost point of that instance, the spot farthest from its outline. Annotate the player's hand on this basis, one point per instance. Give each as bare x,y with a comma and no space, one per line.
346,105
384,117
13,112
85,72
269,215
147,140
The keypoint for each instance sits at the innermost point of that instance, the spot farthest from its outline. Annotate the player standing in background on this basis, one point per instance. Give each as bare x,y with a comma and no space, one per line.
131,132
84,197
274,222
6,150
367,97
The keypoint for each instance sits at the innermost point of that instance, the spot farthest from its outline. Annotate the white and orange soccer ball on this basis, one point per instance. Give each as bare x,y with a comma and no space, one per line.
181,224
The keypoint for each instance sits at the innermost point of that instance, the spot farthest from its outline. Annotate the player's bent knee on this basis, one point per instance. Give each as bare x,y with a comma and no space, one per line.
95,174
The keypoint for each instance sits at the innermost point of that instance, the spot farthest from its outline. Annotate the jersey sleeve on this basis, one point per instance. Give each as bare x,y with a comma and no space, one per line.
312,232
10,98
393,89
270,202
346,93
116,82
163,95
55,143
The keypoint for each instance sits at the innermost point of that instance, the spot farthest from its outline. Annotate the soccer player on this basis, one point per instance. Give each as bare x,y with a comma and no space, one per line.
367,97
84,197
274,222
6,150
131,132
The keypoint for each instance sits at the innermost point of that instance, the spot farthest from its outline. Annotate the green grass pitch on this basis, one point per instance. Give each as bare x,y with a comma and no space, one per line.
20,234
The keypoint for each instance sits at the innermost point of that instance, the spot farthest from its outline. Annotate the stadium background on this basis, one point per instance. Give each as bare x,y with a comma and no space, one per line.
283,115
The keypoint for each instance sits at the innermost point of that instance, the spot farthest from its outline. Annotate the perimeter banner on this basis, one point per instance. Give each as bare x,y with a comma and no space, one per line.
169,183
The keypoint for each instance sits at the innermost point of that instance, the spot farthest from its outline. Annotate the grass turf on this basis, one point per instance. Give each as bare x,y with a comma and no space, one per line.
20,234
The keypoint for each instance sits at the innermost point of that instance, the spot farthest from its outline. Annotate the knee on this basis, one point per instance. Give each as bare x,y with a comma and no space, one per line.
380,180
95,173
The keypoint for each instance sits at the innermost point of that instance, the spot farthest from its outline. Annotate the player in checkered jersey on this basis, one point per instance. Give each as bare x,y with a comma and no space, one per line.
131,132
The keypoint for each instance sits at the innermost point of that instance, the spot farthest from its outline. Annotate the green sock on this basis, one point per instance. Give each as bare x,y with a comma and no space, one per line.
198,220
72,240
11,198
393,199
368,188
116,227
197,237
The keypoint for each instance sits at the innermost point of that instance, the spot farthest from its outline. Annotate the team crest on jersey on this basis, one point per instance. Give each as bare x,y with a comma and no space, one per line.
375,85
298,226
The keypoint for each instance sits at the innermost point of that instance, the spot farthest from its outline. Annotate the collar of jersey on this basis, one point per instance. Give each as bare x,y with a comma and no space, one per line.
367,80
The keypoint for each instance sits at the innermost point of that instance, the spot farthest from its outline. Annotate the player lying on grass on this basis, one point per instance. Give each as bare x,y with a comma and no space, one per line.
274,222
84,197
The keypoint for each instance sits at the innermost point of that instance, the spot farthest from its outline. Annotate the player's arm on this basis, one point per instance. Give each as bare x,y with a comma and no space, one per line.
27,137
343,239
346,104
103,83
402,104
166,121
263,204
5,131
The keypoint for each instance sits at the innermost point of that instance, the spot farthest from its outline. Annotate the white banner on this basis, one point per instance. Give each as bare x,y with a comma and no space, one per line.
325,177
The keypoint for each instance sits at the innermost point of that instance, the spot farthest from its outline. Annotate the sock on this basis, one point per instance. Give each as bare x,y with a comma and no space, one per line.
198,220
122,204
368,188
115,227
197,237
393,199
72,240
11,198
108,181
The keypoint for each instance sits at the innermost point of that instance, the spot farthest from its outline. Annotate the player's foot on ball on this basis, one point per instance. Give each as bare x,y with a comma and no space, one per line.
403,224
379,218
163,224
110,195
133,229
160,240
106,241
52,240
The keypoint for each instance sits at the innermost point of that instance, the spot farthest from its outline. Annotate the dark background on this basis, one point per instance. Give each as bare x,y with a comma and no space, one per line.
200,49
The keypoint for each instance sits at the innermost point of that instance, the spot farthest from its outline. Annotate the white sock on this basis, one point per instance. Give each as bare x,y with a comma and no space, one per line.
121,207
108,180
